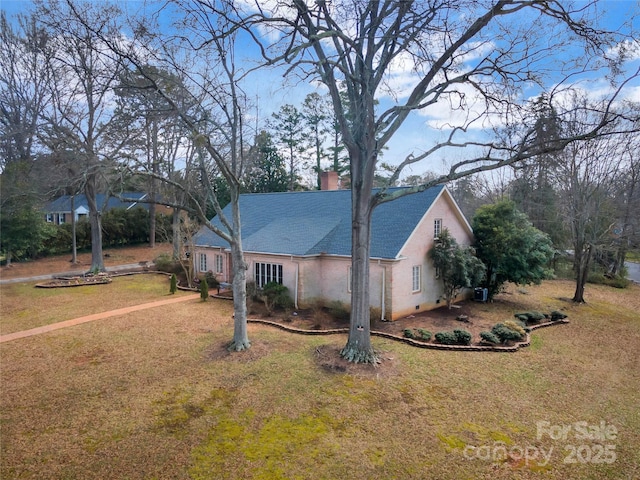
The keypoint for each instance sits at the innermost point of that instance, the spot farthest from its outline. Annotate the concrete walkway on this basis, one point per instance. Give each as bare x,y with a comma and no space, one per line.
96,316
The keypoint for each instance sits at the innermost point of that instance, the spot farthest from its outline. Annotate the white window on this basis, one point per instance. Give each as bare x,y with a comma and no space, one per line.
415,284
203,262
49,217
219,260
437,227
60,218
267,273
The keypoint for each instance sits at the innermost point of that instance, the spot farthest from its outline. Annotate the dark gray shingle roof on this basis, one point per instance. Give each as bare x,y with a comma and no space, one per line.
63,203
310,223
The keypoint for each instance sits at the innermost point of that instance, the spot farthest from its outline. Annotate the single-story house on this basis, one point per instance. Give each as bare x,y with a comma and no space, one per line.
303,241
59,211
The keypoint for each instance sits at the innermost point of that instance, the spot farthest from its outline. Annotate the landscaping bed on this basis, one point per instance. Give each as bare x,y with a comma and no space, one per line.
78,281
431,329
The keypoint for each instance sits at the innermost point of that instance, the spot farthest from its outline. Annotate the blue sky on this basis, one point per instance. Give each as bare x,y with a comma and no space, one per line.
418,133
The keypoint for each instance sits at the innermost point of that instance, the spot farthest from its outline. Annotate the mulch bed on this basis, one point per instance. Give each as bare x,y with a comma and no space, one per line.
79,281
320,322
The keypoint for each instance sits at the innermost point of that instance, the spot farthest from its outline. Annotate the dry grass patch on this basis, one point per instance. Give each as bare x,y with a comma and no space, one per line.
154,394
62,263
24,307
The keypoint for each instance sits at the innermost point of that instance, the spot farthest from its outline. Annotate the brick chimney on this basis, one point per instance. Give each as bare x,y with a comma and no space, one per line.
329,180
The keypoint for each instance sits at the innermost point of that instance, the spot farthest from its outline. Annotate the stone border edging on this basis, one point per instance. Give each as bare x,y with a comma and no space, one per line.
434,346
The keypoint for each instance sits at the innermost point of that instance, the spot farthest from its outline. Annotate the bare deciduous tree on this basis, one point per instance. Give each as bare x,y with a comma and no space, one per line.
211,81
585,177
79,120
472,59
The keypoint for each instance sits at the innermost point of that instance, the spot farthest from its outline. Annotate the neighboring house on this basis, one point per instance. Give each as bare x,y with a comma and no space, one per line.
303,240
58,211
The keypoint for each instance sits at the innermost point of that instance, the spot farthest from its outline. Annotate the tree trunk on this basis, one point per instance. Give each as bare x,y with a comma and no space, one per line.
239,283
582,273
175,224
618,266
74,239
152,192
152,223
97,260
358,348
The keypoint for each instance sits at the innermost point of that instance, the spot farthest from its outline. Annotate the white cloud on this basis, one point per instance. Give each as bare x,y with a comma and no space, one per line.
627,51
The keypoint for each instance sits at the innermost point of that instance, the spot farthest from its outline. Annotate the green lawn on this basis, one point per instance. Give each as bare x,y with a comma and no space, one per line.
154,395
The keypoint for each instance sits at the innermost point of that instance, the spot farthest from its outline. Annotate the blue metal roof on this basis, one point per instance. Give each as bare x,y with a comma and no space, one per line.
310,223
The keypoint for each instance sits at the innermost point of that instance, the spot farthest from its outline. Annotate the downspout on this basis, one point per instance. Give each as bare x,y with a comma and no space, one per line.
383,291
295,293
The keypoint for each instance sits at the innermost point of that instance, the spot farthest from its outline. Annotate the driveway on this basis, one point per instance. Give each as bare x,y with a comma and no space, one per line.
633,270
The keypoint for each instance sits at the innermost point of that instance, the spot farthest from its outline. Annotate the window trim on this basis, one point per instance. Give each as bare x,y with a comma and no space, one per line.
264,273
437,228
219,263
416,278
202,262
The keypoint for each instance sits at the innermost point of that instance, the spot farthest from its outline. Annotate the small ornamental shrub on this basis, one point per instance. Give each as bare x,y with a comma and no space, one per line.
204,290
275,295
424,335
515,327
339,311
462,337
408,333
165,263
556,315
174,284
446,338
505,333
212,281
530,317
252,292
489,337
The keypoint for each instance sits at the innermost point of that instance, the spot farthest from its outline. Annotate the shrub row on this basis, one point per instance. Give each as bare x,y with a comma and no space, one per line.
417,334
528,318
457,337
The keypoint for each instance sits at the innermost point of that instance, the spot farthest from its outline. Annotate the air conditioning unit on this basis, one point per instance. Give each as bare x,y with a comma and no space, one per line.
480,294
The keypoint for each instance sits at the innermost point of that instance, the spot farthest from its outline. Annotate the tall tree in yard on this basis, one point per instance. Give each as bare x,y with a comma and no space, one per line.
512,249
533,188
266,171
80,120
314,112
473,58
206,59
160,135
586,178
24,94
288,128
